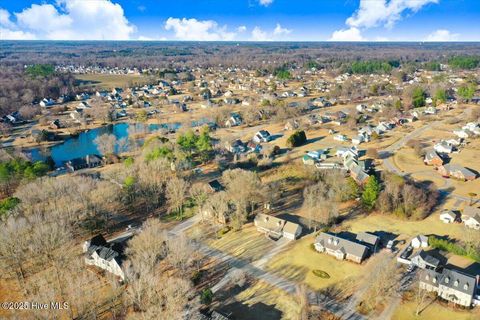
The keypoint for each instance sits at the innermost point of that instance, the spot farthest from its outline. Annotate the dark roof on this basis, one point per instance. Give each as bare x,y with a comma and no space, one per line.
98,240
215,185
428,258
452,279
333,242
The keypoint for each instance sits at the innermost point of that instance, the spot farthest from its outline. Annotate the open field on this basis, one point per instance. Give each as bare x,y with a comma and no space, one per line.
385,223
109,81
247,244
299,260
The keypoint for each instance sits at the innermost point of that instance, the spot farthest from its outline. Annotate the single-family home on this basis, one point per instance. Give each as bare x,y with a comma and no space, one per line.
425,261
420,241
443,147
340,248
368,239
89,161
471,217
277,227
262,136
448,216
215,185
292,125
456,171
432,158
105,255
46,103
234,120
450,285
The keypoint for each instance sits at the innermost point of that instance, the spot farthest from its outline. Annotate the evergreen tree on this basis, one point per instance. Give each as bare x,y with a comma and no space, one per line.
371,193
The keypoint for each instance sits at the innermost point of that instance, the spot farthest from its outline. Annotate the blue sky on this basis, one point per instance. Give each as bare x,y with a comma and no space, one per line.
242,20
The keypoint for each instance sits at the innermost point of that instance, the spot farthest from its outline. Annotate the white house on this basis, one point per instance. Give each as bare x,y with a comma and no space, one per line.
420,241
448,216
443,147
262,136
277,227
461,133
45,103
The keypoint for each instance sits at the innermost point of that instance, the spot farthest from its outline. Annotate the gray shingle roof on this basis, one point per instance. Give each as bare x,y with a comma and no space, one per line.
333,242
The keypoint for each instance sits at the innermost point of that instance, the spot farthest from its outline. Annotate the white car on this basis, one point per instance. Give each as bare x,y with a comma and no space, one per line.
390,245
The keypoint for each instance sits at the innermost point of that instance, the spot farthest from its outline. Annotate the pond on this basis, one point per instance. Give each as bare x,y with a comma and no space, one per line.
84,144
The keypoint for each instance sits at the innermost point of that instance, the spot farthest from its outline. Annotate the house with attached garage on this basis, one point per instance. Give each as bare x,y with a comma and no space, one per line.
108,256
277,227
233,121
456,171
450,285
340,248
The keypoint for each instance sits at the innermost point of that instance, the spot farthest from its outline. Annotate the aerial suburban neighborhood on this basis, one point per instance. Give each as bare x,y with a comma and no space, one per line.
234,179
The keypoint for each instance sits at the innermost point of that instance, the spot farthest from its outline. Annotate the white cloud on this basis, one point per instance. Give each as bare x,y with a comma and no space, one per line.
241,29
279,31
70,20
199,30
442,35
265,3
259,35
375,13
5,19
382,12
351,34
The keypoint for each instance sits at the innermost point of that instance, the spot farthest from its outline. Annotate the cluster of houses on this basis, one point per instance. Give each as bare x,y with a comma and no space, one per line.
470,217
447,282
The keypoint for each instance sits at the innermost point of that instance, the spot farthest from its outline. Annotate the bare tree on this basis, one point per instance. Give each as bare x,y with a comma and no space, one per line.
106,144
176,193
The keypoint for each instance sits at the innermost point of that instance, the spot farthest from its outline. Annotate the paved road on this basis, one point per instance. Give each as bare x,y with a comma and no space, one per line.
390,166
256,269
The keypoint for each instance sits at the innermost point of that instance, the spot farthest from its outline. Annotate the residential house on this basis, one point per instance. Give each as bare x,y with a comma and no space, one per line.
340,248
432,158
425,261
233,121
471,217
105,255
46,103
456,171
277,227
448,216
262,136
368,239
420,241
443,147
235,146
450,285
89,161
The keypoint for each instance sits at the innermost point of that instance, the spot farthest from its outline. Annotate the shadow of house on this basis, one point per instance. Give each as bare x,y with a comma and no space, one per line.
257,311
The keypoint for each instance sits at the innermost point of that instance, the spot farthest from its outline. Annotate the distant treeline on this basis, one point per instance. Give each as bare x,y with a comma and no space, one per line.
367,67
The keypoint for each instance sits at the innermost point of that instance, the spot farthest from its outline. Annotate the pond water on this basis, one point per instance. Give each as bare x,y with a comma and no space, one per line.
83,144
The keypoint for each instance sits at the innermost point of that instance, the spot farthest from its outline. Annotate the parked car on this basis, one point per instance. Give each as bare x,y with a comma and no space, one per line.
390,245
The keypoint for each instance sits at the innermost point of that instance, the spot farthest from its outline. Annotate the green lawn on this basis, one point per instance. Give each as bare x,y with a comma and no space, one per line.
298,262
109,81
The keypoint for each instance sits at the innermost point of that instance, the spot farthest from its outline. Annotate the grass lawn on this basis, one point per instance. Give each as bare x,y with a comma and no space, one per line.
298,262
262,301
435,311
247,244
109,81
380,222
